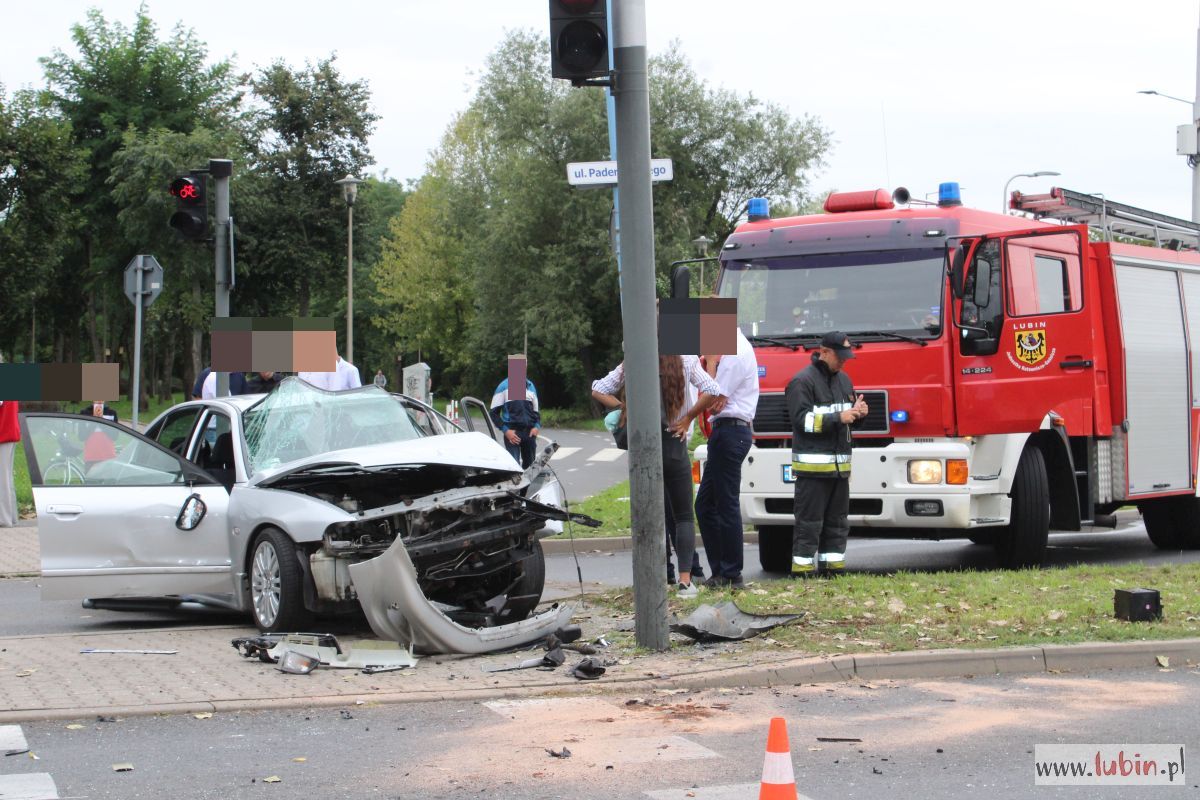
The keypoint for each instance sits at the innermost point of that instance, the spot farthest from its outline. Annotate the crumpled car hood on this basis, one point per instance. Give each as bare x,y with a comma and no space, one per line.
470,450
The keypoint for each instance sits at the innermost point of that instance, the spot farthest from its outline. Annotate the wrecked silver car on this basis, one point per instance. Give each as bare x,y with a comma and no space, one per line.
298,502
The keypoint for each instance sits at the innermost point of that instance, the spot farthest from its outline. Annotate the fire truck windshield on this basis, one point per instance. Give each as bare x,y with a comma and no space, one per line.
885,292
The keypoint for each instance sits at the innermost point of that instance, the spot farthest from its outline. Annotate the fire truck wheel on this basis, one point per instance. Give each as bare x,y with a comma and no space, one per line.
1023,542
775,548
1173,523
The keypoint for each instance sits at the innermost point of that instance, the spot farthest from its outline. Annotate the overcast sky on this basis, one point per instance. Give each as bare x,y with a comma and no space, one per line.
915,93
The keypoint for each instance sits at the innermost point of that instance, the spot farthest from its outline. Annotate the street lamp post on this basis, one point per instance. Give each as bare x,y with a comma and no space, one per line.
1188,146
1039,174
349,186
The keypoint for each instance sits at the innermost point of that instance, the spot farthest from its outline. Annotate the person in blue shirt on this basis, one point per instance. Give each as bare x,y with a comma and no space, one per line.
519,420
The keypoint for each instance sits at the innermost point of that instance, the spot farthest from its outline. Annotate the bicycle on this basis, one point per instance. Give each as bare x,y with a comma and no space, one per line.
64,469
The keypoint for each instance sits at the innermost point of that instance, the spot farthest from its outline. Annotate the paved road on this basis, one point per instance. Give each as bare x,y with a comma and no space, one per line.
1126,545
586,462
934,740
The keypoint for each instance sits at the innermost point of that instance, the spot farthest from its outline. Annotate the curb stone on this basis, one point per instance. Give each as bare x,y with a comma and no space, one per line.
907,665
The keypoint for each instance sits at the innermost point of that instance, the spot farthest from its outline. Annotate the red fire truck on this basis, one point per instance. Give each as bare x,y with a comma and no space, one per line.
1024,372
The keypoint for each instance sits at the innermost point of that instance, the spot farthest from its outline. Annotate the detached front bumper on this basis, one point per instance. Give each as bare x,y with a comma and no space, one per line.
399,611
881,495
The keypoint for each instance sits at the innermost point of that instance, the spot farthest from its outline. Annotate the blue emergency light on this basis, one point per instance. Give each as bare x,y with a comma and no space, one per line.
948,194
899,416
758,209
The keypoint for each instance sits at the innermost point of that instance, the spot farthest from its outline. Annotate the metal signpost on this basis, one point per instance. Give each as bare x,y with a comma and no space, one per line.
143,285
636,203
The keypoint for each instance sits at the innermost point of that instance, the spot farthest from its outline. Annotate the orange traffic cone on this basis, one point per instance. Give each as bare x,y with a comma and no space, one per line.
778,782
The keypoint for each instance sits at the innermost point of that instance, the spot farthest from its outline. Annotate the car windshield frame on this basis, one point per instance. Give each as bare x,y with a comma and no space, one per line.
895,291
297,421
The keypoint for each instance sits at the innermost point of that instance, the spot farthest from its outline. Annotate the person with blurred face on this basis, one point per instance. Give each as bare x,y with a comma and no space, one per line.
823,407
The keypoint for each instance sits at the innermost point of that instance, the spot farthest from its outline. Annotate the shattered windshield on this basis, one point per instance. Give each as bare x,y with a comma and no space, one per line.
895,291
297,421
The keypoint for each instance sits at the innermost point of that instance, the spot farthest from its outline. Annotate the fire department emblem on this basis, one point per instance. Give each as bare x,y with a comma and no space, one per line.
1031,346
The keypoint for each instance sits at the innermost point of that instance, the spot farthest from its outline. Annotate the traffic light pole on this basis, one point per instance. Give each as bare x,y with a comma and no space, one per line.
135,391
639,322
221,169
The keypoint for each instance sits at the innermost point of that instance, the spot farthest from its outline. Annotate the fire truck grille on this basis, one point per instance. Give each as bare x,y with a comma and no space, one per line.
771,417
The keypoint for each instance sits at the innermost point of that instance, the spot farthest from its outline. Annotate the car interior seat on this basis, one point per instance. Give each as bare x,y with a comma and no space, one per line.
220,461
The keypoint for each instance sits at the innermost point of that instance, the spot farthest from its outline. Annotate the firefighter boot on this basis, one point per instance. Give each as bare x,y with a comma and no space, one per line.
832,563
803,566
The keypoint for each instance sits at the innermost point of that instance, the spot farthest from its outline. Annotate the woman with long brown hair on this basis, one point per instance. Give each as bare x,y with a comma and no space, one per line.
674,374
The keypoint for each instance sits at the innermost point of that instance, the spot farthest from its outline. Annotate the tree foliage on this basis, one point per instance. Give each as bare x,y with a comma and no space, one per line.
494,245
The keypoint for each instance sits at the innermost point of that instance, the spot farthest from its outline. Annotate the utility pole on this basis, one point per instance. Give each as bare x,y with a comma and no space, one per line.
632,95
221,169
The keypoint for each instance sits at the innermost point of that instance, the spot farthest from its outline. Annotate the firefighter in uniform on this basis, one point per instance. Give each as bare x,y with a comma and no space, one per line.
822,407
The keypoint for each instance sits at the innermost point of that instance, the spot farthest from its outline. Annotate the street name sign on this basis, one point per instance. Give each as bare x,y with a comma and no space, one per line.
604,173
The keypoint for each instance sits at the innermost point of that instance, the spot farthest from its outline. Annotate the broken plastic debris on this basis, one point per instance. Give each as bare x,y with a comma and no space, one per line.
125,767
17,752
564,753
74,726
203,715
587,670
294,662
325,648
272,779
135,652
1163,661
727,622
837,739
300,759
550,660
25,673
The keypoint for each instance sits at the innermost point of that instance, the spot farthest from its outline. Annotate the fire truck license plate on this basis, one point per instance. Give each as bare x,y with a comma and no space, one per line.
787,474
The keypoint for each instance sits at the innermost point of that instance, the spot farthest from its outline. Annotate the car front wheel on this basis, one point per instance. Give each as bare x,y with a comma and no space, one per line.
276,583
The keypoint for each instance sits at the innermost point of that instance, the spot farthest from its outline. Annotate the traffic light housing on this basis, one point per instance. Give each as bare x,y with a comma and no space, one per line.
579,41
191,206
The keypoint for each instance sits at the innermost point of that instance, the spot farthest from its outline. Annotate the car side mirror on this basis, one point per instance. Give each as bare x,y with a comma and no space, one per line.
192,512
958,261
983,283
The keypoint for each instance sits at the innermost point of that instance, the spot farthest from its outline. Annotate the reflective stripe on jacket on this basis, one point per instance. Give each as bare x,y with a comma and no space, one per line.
821,443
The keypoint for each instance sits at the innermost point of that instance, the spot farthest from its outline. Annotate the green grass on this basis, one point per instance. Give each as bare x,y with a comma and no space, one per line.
21,476
858,613
611,507
124,408
575,418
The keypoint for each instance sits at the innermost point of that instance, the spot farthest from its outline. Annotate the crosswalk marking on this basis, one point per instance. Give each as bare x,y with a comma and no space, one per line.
563,452
607,454
28,786
649,749
11,738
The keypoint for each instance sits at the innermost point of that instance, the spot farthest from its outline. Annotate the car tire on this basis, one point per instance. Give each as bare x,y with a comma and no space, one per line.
276,583
1173,523
775,548
527,592
1023,542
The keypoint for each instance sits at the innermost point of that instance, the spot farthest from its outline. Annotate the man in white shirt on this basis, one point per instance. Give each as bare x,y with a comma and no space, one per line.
345,376
718,509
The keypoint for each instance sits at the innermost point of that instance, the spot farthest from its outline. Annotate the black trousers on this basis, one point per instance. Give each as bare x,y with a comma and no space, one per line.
717,501
821,507
523,452
677,501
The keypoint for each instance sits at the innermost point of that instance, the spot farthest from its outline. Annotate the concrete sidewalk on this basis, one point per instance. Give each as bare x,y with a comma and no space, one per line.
47,677
19,553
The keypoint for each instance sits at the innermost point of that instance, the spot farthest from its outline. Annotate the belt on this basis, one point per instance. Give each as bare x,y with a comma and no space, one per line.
719,421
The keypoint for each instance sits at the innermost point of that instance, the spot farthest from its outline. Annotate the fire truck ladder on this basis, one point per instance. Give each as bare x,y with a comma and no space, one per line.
1109,218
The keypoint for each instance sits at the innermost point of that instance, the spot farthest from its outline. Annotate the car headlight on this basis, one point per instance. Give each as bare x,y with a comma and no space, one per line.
925,471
